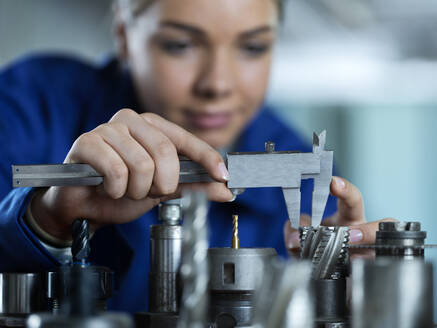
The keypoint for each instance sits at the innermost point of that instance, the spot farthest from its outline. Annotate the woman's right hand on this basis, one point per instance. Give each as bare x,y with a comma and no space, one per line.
138,156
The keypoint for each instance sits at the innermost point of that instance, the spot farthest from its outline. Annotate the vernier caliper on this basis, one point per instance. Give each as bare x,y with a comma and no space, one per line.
270,168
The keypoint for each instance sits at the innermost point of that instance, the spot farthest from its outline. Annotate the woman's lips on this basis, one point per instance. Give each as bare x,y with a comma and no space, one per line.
209,121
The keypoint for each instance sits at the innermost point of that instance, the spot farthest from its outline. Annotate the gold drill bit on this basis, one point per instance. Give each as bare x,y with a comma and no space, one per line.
235,240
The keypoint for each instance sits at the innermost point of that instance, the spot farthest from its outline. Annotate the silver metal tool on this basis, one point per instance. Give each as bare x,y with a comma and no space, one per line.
284,169
84,175
194,264
389,292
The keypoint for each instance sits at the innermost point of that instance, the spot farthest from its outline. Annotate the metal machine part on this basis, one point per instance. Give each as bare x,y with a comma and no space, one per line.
80,247
286,169
285,298
107,320
194,266
78,307
400,235
235,275
271,168
165,258
390,292
327,249
235,243
58,286
20,295
46,175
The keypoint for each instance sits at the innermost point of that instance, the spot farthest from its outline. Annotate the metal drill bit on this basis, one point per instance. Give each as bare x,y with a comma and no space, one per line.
235,241
80,248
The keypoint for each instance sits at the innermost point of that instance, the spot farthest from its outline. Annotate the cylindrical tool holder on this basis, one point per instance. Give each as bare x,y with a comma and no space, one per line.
400,239
20,295
392,293
330,297
165,257
235,274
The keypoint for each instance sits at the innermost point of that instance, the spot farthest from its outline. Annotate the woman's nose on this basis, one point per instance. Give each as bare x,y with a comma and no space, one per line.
216,78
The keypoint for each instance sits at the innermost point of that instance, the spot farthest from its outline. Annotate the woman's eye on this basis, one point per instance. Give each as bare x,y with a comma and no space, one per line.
255,49
175,47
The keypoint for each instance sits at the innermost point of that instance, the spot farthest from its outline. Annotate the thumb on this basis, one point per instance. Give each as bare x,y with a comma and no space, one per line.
365,233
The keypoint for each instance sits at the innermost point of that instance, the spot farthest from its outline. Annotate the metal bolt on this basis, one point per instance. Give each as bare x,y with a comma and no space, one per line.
269,146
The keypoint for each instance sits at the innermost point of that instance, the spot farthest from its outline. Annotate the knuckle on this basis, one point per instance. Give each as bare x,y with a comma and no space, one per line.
119,127
85,140
150,117
118,171
165,149
143,165
124,113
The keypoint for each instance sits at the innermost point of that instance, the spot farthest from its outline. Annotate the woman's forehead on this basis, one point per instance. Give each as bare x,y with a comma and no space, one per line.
233,16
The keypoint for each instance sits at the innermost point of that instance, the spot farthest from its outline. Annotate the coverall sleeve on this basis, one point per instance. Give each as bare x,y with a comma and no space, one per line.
23,140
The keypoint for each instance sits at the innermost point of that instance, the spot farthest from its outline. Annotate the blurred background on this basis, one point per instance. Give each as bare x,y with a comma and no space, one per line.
364,70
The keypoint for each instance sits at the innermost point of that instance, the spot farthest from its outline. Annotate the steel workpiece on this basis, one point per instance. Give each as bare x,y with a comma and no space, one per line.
327,248
235,275
165,257
404,237
390,292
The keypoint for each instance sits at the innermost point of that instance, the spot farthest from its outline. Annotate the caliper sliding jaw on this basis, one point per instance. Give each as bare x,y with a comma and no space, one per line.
286,169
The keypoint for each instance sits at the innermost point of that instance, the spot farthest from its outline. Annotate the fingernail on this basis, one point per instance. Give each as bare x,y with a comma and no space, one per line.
232,199
339,182
223,171
355,235
293,240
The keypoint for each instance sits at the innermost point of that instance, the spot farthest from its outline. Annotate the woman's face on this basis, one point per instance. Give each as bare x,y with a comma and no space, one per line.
203,64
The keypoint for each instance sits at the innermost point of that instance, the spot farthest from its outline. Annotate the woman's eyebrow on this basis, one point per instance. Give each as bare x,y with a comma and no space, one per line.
182,26
256,31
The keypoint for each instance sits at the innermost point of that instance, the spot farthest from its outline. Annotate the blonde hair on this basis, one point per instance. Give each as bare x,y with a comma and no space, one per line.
129,9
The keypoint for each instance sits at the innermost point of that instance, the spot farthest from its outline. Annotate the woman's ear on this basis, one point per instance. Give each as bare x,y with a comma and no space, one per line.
120,33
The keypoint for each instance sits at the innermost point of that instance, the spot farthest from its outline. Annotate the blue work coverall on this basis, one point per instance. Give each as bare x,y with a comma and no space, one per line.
46,102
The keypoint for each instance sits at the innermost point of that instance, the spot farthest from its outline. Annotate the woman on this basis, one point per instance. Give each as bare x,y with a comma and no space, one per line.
191,76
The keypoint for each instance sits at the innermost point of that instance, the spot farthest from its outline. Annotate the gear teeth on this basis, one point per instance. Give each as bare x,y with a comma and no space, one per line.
316,242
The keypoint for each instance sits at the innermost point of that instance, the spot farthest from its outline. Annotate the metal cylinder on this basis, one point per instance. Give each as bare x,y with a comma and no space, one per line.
235,274
170,212
21,293
392,293
401,239
165,258
330,300
107,320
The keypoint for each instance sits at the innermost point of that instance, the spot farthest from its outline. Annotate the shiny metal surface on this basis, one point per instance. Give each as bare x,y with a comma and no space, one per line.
194,266
21,293
107,320
327,248
392,293
285,298
248,266
165,257
84,175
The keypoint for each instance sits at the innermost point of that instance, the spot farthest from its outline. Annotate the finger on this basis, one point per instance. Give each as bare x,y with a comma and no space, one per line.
215,191
139,163
292,236
91,149
365,233
158,145
331,221
189,145
350,203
